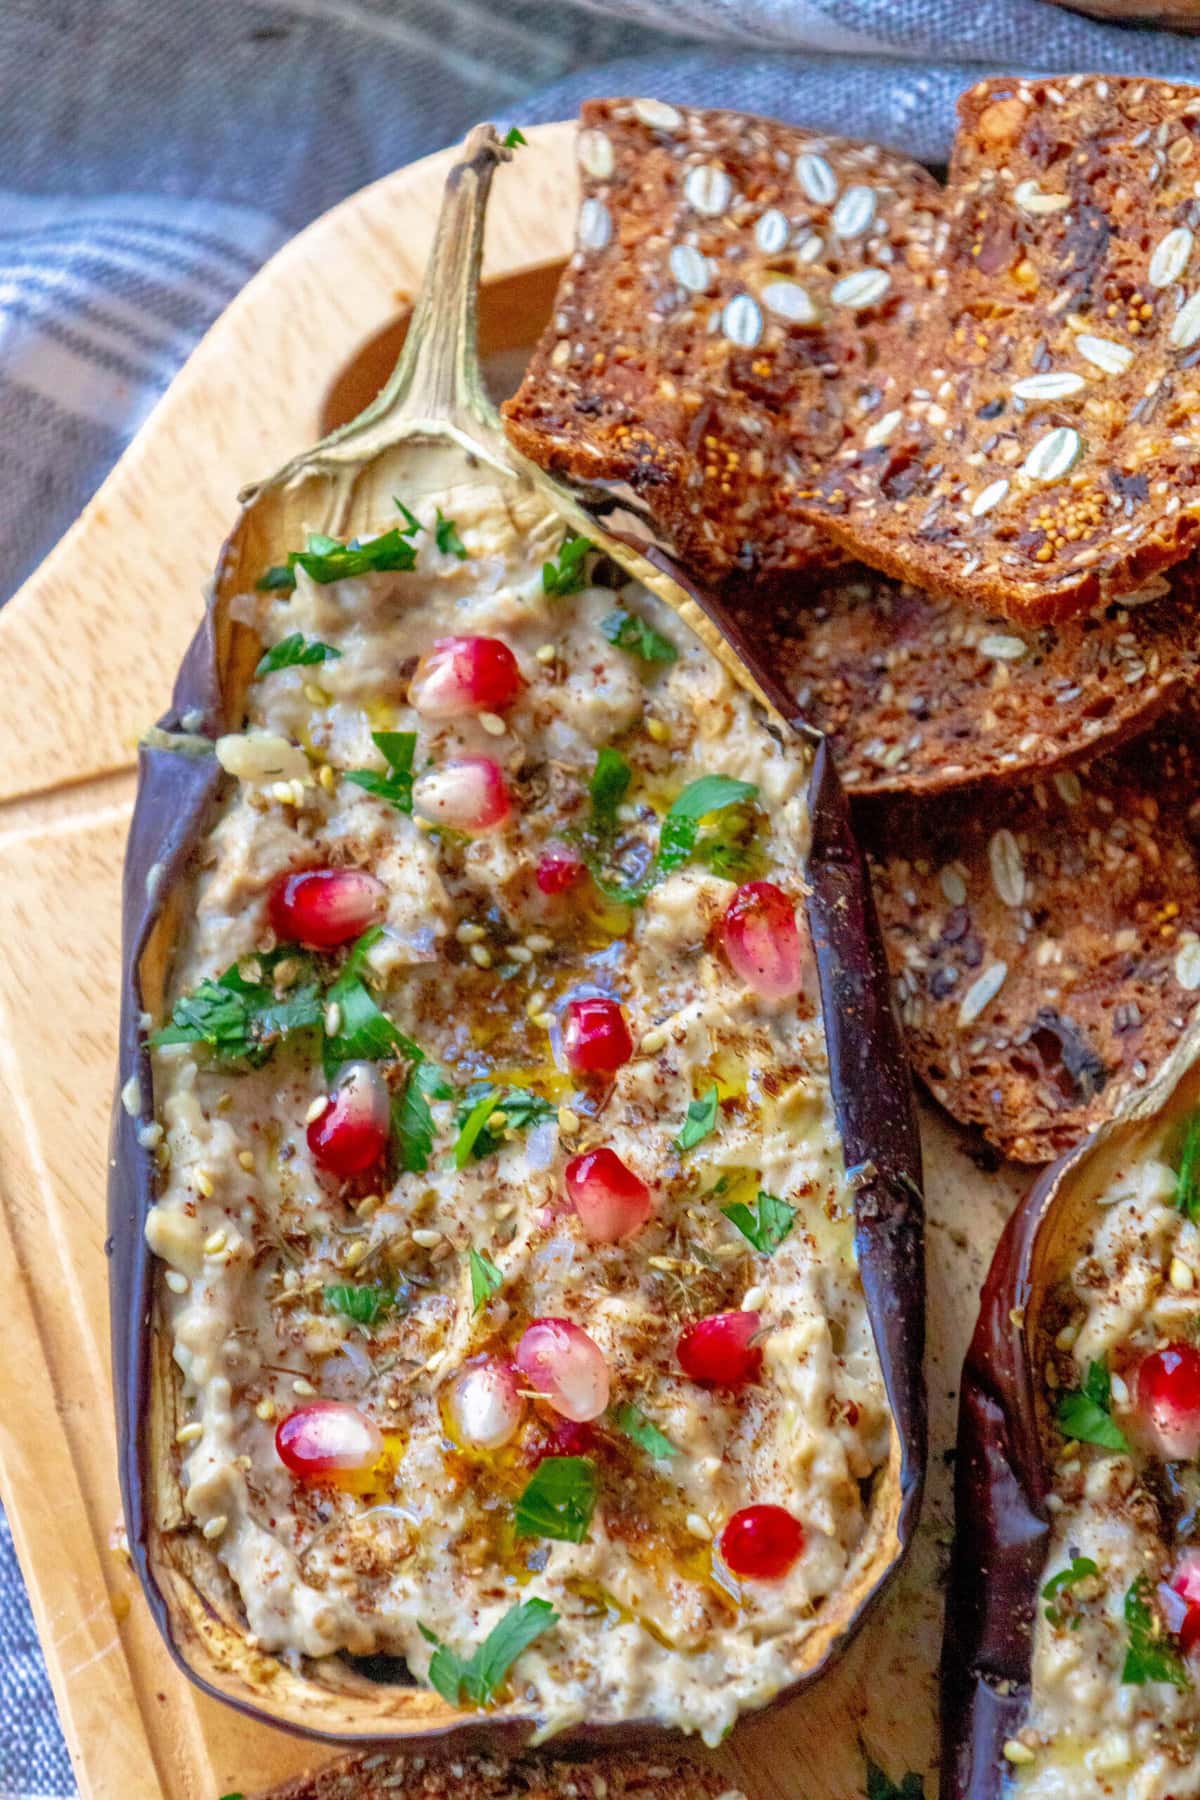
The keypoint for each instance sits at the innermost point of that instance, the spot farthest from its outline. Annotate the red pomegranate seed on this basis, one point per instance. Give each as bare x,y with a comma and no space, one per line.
351,1135
558,869
324,907
327,1438
718,1350
761,1543
611,1201
563,1437
486,1404
762,940
596,1039
1186,1582
463,675
468,794
562,1364
1168,1399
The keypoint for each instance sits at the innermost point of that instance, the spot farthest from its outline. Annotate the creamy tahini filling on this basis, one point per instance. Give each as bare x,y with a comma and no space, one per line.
287,1284
1115,1702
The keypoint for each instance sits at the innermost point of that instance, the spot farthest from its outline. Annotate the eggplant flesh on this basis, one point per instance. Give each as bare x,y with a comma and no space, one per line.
1030,1502
182,790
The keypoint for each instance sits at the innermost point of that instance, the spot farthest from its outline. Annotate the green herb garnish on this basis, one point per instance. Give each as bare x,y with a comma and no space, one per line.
632,1422
559,1500
1187,1184
365,1305
327,559
479,1678
411,522
882,1787
1150,1656
1079,1568
514,138
521,1109
766,1224
486,1278
413,1129
293,652
240,1020
678,833
396,787
568,574
1086,1413
608,787
628,632
445,533
701,1119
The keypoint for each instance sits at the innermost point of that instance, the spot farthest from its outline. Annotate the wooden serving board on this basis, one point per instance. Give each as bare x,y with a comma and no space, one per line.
92,642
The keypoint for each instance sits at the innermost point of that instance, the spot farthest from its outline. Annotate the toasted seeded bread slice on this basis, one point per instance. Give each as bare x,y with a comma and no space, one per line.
378,1776
1047,454
738,289
1046,945
919,694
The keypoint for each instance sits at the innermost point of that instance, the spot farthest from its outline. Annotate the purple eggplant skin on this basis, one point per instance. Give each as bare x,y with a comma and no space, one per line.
179,794
1002,1526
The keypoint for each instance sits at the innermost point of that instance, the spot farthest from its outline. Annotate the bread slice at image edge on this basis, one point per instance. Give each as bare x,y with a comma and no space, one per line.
380,1776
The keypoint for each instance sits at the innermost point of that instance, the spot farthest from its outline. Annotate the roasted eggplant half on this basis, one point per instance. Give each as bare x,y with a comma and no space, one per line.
1074,1598
516,1228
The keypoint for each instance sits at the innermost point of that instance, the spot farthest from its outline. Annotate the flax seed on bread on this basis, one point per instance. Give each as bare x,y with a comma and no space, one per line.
1045,455
379,1775
739,291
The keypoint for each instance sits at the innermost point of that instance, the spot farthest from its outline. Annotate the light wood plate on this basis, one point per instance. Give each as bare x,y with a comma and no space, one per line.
91,643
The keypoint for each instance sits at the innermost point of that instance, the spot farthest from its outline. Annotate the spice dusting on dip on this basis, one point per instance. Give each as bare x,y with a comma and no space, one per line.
508,1247
1115,1708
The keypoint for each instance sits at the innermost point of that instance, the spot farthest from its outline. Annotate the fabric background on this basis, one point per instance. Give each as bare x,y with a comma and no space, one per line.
154,152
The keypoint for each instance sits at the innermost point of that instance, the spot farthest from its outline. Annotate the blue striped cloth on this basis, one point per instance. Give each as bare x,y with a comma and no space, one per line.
153,154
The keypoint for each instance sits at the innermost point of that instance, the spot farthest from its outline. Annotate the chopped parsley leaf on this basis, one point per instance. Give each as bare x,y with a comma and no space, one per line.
569,573
396,787
678,833
1187,1185
445,533
411,522
240,1020
521,1109
327,559
766,1224
609,785
364,1305
1150,1655
294,651
632,1422
630,633
1086,1413
882,1787
701,1119
559,1500
478,1679
486,1278
1079,1568
514,138
413,1128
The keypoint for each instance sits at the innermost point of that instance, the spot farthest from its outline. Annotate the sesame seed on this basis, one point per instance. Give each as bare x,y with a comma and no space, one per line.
214,1244
653,1041
326,777
545,653
214,1527
316,696
544,1019
467,933
568,1121
333,1019
493,724
497,1121
519,953
370,1204
303,1387
265,1410
699,1528
658,729
316,1109
425,1238
187,1434
753,1298
539,943
246,1160
355,1253
178,1284
204,1183
1182,1276
481,956
1017,1752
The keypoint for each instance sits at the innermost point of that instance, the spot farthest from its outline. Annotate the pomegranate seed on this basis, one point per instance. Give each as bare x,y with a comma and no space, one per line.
762,940
761,1543
351,1135
469,794
563,1437
327,1438
718,1350
596,1039
1186,1582
465,675
486,1406
558,869
324,907
562,1364
1168,1398
611,1201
